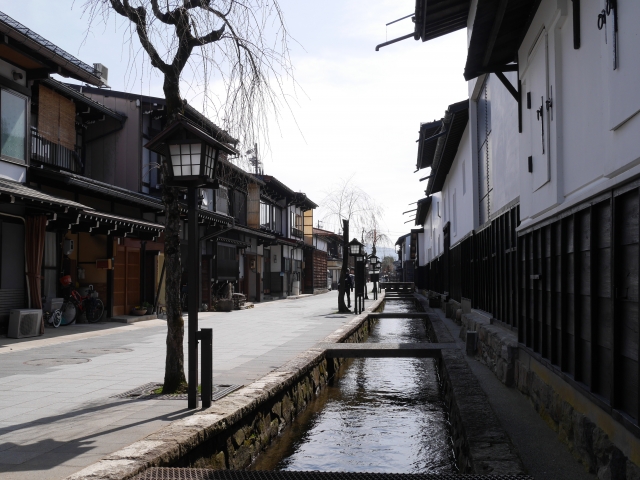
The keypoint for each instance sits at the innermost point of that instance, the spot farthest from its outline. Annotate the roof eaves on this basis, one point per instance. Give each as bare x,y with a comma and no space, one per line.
454,121
497,33
65,90
15,30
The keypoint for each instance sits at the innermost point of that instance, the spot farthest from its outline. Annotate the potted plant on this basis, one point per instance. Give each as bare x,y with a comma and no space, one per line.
148,307
139,310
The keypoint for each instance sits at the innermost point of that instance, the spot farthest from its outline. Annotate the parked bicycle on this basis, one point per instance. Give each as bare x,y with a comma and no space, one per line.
76,304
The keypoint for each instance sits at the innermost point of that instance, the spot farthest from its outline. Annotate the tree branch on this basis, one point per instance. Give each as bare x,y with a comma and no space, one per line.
210,37
139,17
164,17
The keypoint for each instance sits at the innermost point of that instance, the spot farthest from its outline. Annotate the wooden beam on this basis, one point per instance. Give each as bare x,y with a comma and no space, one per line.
512,90
576,24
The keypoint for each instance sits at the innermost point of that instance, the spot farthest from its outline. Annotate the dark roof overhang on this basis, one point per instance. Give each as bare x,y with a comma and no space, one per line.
254,232
232,241
499,26
276,189
13,191
454,121
232,176
102,223
30,51
191,113
434,18
424,205
90,186
427,144
78,97
401,239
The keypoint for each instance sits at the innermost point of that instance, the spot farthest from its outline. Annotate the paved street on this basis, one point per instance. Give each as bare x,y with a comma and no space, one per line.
58,418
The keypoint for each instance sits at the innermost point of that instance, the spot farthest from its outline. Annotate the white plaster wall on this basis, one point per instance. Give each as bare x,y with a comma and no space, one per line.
591,148
433,228
506,163
459,182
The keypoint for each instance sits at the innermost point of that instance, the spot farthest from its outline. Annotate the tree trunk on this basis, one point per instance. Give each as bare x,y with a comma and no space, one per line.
174,378
342,307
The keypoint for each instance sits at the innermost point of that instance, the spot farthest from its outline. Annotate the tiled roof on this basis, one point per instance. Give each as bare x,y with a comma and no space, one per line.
24,192
44,47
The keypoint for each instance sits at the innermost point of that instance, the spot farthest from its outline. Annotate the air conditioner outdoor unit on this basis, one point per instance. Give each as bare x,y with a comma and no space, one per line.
102,72
24,323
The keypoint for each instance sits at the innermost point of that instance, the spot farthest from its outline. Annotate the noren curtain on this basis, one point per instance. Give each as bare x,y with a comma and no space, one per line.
35,237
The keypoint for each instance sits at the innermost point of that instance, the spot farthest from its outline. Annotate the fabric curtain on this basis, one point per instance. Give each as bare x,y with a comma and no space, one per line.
35,239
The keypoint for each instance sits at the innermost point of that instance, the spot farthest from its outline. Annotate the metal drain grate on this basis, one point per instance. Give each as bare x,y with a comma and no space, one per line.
145,392
203,474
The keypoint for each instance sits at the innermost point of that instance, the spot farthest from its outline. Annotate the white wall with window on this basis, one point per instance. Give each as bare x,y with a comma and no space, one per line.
592,122
493,132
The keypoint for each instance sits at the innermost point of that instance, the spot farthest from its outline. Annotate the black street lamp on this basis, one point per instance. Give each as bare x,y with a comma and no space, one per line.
191,156
374,262
356,249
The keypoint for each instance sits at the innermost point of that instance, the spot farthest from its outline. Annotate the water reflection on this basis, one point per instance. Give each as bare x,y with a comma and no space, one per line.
381,415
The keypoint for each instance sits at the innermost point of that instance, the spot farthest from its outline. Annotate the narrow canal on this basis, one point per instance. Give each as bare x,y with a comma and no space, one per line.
377,415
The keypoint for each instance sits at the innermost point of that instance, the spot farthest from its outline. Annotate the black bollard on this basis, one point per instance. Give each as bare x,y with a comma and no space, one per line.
206,339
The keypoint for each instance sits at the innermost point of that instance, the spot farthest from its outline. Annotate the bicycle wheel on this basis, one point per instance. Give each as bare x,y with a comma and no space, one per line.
69,313
95,310
56,318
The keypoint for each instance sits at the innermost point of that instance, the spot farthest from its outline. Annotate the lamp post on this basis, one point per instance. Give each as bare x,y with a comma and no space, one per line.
356,249
191,156
374,262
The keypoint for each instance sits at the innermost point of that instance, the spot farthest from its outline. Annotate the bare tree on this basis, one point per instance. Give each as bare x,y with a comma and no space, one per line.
373,232
243,45
347,201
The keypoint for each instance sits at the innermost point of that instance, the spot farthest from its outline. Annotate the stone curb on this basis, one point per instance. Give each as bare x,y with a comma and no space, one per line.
481,445
177,439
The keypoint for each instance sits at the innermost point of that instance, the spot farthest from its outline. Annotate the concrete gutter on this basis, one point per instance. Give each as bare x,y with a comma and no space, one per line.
175,441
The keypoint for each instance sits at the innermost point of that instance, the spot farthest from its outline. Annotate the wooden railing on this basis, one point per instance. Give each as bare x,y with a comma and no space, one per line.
50,153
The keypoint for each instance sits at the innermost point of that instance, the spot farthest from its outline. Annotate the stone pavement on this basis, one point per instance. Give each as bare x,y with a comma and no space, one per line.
56,411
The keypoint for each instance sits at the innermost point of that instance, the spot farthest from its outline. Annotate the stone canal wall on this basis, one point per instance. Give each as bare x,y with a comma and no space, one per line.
480,444
600,443
231,433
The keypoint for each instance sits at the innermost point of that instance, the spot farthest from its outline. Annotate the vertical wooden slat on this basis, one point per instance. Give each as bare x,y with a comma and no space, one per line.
615,349
563,296
553,278
577,337
593,296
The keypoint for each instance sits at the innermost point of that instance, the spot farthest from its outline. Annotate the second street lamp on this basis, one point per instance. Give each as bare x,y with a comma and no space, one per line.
374,262
356,249
192,156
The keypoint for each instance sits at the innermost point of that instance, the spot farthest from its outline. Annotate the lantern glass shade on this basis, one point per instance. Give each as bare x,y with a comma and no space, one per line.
192,158
209,164
356,248
185,158
374,260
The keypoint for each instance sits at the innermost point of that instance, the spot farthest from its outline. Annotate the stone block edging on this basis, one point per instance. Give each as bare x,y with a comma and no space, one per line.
568,413
285,390
481,445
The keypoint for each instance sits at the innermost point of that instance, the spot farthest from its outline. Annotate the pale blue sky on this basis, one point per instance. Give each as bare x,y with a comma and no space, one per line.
360,111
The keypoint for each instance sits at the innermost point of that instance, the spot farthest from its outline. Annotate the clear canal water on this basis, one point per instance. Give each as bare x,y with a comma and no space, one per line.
377,415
